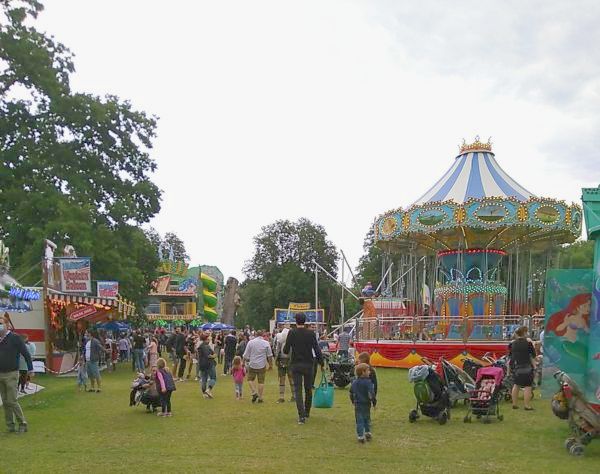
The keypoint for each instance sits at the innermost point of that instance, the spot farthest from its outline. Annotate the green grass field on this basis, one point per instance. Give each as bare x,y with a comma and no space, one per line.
88,432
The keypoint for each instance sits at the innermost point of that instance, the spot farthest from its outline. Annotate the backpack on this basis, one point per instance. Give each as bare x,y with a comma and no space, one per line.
423,393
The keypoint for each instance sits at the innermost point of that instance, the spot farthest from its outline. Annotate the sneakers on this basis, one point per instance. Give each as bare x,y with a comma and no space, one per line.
361,439
209,393
301,421
11,429
160,413
254,397
205,395
23,428
168,414
260,400
280,400
368,436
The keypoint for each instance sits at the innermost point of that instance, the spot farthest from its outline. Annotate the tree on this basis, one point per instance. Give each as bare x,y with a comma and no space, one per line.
74,167
369,265
173,243
281,270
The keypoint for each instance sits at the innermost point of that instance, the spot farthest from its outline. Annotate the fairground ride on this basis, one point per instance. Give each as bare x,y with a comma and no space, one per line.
471,237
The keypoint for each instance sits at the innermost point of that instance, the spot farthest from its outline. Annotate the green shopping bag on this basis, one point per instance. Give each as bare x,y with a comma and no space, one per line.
323,396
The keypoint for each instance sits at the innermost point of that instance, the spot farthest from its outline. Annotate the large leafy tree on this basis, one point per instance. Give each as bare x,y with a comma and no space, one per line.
281,270
74,168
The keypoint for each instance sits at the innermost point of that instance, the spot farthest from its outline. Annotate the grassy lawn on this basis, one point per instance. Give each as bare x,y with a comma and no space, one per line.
88,432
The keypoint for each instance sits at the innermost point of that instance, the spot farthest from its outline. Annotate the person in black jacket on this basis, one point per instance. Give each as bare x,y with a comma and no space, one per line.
11,347
206,367
302,342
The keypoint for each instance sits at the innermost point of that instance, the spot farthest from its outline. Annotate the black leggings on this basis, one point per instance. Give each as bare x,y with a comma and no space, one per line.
303,374
165,401
182,364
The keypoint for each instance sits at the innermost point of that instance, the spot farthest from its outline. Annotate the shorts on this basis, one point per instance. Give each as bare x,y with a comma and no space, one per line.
92,370
283,367
254,373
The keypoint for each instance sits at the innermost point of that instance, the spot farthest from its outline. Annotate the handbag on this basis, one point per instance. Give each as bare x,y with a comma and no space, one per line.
323,396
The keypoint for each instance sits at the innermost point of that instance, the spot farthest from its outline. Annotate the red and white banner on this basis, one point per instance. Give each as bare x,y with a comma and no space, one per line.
108,289
82,313
76,275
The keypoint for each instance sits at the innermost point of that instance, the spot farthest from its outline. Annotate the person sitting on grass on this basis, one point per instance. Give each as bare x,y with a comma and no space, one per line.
365,358
166,386
362,396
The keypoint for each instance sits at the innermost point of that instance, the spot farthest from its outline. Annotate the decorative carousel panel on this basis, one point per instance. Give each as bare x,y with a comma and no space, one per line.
431,218
491,213
547,214
576,220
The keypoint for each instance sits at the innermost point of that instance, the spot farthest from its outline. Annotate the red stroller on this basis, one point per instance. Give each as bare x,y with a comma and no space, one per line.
484,401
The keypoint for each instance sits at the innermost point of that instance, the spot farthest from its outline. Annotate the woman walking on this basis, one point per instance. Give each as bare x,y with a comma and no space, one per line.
522,367
153,353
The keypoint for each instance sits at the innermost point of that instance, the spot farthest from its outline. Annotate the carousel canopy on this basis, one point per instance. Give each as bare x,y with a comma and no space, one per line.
476,205
474,175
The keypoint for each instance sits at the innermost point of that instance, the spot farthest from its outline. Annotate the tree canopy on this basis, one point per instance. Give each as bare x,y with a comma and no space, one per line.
74,168
281,270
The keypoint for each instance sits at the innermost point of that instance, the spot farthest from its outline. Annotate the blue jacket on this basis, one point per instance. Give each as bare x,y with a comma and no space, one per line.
362,392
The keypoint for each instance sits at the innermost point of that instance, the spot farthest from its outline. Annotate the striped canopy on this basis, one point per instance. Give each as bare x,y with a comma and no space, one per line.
474,174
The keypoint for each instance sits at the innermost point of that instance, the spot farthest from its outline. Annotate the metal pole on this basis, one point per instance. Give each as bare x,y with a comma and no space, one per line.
349,268
319,267
342,300
384,277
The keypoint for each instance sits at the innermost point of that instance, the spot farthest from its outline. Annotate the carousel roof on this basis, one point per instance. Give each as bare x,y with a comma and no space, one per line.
475,174
476,205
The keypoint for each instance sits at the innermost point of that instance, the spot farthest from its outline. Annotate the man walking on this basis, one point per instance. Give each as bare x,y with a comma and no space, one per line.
229,343
302,342
11,346
344,344
283,364
93,355
258,355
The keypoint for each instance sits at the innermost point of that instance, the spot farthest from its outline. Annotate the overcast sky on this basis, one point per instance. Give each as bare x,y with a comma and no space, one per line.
338,110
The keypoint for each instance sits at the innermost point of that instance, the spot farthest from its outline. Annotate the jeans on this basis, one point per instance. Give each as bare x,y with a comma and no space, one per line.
303,374
165,401
208,378
363,419
138,357
228,361
123,355
8,393
238,388
182,363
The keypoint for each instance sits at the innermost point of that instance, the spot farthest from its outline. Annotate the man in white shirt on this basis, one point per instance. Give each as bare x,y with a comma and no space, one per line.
258,355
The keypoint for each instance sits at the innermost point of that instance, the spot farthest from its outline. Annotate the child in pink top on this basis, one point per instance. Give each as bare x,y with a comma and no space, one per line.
239,372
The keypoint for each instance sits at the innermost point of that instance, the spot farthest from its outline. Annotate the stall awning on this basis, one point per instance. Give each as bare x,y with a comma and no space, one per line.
120,304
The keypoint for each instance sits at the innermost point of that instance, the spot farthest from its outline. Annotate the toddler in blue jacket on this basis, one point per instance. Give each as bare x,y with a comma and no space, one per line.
362,395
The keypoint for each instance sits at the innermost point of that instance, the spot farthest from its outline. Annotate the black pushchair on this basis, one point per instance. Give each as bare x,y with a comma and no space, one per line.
142,393
342,372
431,394
459,382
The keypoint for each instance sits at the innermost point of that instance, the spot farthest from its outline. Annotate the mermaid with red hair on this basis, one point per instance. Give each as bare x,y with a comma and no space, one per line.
574,317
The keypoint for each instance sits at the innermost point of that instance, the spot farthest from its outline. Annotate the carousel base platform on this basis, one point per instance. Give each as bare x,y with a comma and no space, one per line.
407,354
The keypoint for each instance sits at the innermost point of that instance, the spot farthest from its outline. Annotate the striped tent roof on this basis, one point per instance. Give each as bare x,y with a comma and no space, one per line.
474,174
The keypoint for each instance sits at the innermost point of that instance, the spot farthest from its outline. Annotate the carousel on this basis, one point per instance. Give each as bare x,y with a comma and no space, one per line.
482,242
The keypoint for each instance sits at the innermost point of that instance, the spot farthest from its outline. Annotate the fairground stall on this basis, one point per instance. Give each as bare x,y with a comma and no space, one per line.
472,238
72,304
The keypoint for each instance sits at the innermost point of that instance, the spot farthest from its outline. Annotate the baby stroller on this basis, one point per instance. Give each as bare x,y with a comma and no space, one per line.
431,394
142,393
471,367
584,421
459,383
342,371
484,400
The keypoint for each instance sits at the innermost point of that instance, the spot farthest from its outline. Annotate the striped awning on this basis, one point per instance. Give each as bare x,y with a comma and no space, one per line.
474,175
120,304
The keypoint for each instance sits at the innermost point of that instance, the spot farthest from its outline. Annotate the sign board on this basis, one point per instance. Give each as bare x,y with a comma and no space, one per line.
108,289
76,275
82,313
288,316
171,317
299,306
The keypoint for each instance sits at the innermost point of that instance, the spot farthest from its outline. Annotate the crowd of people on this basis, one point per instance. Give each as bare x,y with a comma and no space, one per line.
162,359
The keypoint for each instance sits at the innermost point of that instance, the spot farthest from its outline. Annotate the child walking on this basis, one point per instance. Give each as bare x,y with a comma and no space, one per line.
239,372
82,377
365,358
362,395
166,386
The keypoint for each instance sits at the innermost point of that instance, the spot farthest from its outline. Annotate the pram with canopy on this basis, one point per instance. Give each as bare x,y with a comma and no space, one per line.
484,401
